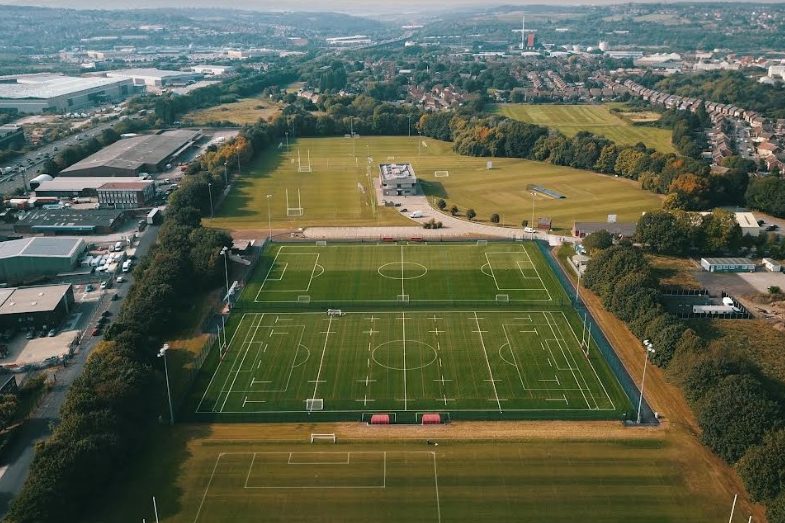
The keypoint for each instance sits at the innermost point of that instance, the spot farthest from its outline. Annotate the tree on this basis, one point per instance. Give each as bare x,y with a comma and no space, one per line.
471,214
598,241
454,210
8,406
662,232
441,204
767,193
775,509
735,415
495,218
525,223
763,467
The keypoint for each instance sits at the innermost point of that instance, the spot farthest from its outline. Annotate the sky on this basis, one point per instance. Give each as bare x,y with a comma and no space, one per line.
359,7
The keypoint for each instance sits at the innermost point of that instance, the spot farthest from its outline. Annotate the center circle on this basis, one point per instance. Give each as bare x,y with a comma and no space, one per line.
402,270
390,355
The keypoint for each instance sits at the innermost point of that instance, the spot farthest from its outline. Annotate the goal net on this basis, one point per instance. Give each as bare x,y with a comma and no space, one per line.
441,174
321,243
294,211
403,298
334,312
322,438
482,242
503,298
304,298
313,404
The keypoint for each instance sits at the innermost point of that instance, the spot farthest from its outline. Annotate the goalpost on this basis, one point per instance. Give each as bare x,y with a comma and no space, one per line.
327,438
441,174
301,167
335,312
482,242
403,298
503,298
294,211
312,404
304,298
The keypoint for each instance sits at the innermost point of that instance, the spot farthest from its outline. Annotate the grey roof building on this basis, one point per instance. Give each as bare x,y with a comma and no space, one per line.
583,229
33,307
69,221
36,93
31,258
397,179
135,155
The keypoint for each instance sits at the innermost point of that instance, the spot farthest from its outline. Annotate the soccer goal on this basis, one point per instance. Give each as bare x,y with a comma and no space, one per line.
304,298
323,438
312,404
441,174
482,242
503,298
403,298
321,243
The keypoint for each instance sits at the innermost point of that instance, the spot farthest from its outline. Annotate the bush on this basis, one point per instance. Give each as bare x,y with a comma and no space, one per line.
735,415
495,218
454,210
471,214
598,241
775,509
441,204
763,467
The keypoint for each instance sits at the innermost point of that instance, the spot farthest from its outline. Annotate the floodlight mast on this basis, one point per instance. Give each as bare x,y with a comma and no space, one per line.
649,350
162,354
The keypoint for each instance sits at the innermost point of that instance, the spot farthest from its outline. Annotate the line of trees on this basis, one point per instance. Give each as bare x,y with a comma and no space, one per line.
687,182
111,408
741,416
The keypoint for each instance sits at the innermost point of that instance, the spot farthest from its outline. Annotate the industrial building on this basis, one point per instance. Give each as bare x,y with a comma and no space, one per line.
124,195
728,264
31,258
69,221
11,135
38,307
213,70
136,155
397,179
49,92
747,221
620,230
155,78
78,186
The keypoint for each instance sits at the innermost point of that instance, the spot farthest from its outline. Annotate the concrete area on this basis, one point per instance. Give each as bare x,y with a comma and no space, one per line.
740,284
23,352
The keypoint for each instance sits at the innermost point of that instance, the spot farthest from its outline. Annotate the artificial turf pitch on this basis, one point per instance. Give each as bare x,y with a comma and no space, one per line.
471,331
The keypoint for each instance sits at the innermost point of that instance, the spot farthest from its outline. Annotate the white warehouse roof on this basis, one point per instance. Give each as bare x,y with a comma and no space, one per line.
41,247
47,85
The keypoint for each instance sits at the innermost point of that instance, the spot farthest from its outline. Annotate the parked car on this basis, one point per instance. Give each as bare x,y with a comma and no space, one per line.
120,279
89,287
51,333
96,332
103,285
30,334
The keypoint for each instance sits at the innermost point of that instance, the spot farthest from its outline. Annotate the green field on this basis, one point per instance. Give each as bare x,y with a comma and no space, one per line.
211,478
570,119
420,337
339,190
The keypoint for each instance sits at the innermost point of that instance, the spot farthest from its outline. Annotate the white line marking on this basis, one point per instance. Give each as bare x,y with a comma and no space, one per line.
487,361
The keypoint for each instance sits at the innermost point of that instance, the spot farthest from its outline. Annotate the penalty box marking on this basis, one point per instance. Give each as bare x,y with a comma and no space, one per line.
317,464
272,266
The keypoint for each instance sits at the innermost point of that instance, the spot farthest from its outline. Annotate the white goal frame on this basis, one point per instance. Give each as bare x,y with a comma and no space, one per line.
403,298
304,298
441,174
294,211
314,404
330,438
482,242
503,298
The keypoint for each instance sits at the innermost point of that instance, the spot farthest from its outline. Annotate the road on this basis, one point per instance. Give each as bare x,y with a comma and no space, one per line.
18,457
31,162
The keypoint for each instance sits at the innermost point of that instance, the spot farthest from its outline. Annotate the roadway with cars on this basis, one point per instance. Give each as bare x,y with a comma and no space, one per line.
15,465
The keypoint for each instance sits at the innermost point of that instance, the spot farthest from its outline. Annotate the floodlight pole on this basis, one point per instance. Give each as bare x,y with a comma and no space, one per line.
210,192
238,163
287,140
162,354
226,174
409,117
269,222
155,509
225,253
532,222
578,288
733,508
649,349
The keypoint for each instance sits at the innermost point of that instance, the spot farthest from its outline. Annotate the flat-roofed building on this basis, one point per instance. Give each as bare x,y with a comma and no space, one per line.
620,230
32,258
135,155
397,179
125,195
728,264
35,307
155,78
69,221
75,186
37,93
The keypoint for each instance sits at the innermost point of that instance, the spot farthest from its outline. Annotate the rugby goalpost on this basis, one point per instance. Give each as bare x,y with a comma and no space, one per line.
301,167
294,211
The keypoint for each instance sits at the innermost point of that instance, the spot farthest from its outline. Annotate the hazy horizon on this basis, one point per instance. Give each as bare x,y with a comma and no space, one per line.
357,7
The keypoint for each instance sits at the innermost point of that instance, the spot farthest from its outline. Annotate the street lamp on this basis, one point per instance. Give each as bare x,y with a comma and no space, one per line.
226,174
238,162
210,192
225,253
269,222
162,354
531,224
649,350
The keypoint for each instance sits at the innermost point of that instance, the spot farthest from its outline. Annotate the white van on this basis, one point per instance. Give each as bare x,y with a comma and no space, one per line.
126,265
416,214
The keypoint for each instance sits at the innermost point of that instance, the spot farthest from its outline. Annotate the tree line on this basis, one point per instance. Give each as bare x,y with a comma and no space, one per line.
112,406
740,415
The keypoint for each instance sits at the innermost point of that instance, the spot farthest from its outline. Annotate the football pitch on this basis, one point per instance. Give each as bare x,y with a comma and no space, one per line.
468,330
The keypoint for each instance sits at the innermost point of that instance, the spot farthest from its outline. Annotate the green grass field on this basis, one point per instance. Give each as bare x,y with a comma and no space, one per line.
420,337
339,190
570,119
212,479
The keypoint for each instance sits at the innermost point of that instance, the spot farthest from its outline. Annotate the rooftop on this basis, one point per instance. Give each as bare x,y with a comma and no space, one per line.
135,152
70,218
146,72
41,247
125,186
397,171
729,261
79,183
33,299
624,229
47,85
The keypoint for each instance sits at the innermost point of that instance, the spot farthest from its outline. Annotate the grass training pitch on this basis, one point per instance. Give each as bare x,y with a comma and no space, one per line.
466,330
340,189
570,119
